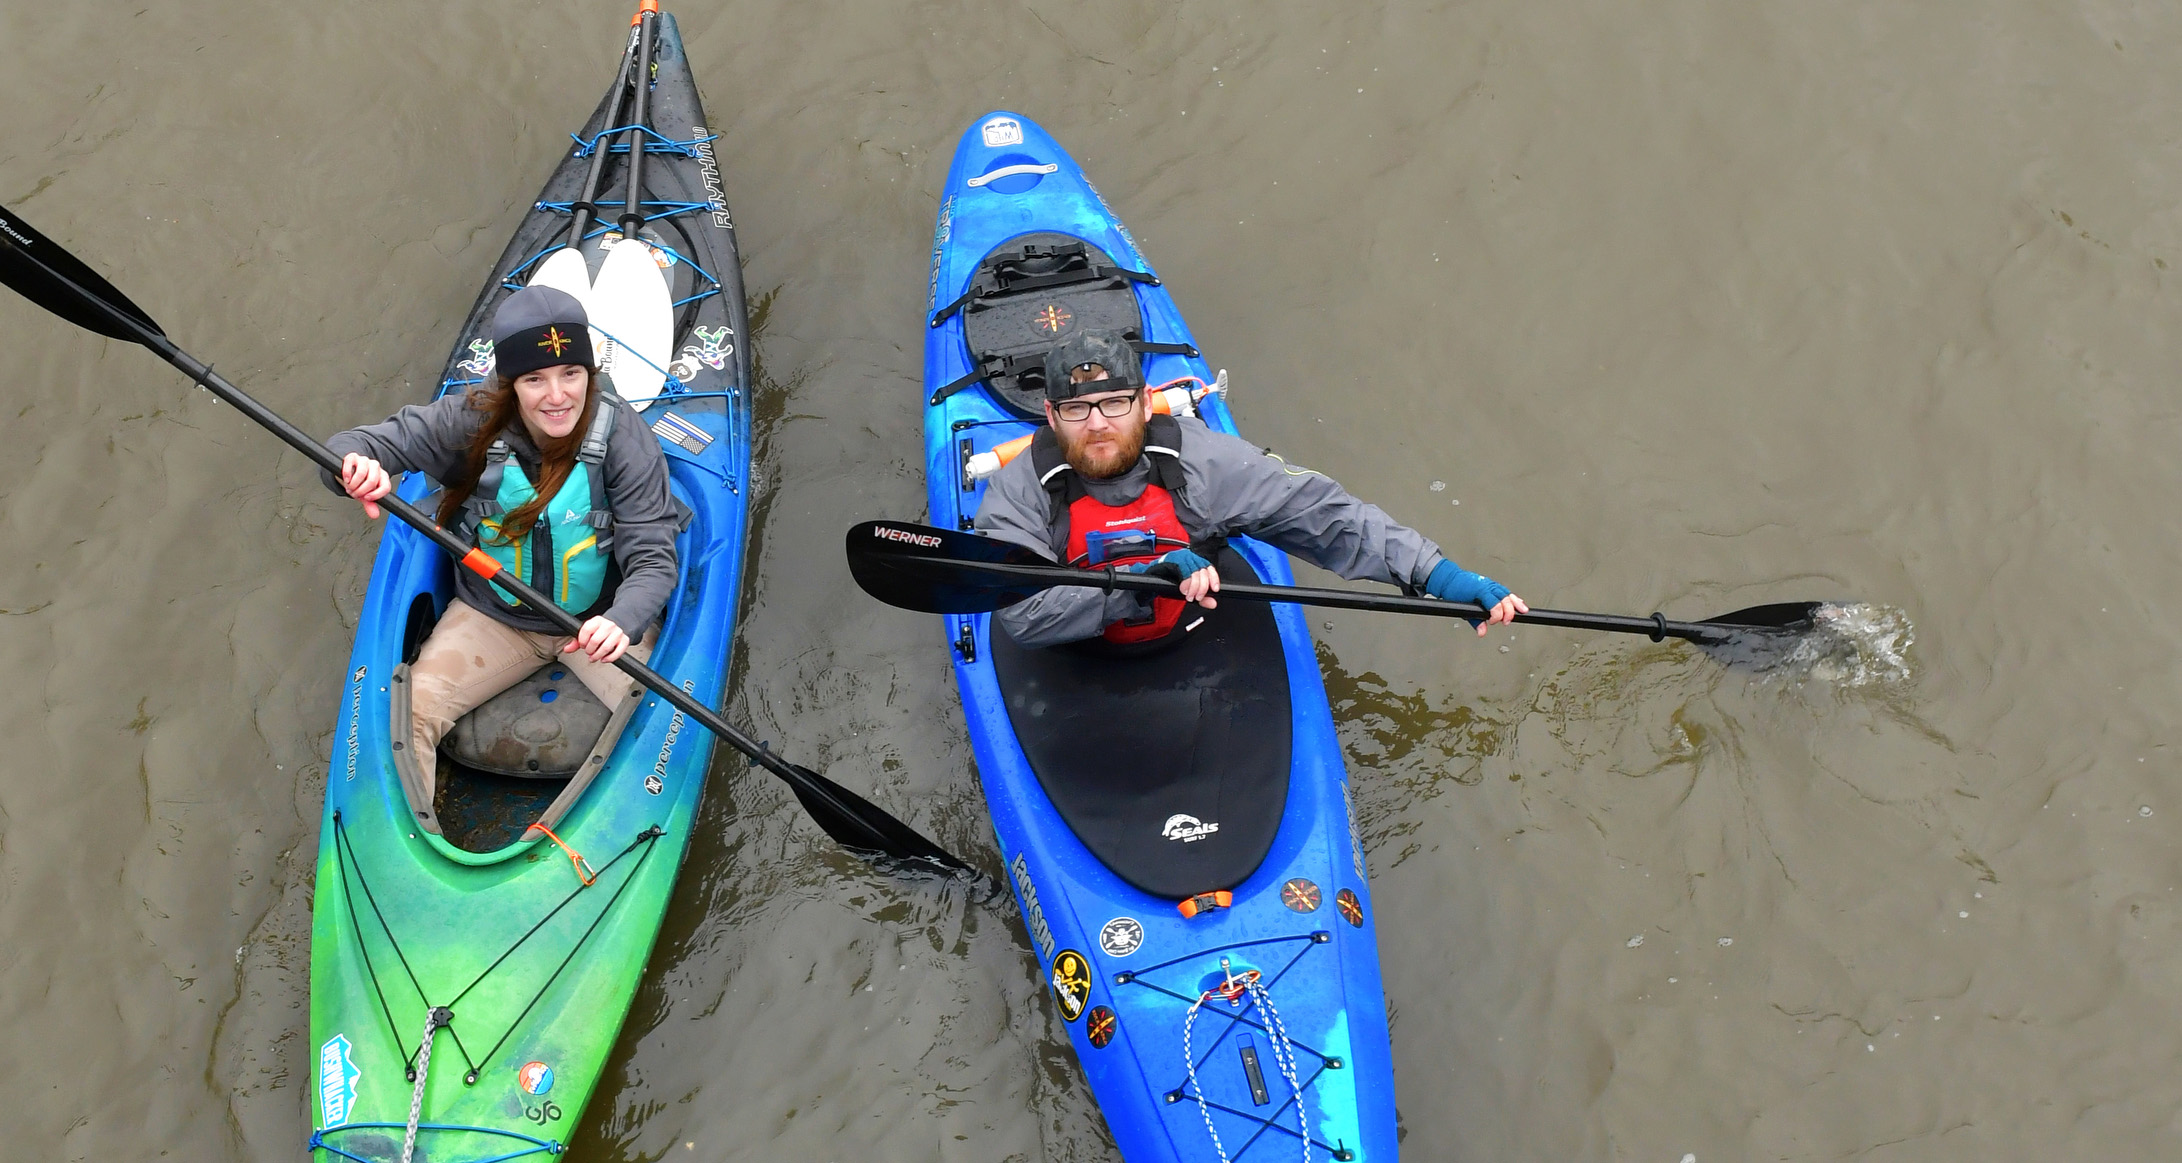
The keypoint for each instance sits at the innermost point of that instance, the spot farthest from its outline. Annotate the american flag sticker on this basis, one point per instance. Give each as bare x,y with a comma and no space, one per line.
673,428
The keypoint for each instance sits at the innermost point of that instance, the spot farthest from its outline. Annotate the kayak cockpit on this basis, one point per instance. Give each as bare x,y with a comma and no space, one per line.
518,762
1172,767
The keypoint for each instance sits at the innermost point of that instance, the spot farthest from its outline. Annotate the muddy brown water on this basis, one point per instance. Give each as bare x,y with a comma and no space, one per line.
1686,305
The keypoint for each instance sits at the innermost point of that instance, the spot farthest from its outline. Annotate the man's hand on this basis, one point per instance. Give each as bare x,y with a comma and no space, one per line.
363,479
1200,578
1452,583
1503,610
600,639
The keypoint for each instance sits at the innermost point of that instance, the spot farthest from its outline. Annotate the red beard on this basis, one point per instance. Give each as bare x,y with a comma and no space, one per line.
1107,455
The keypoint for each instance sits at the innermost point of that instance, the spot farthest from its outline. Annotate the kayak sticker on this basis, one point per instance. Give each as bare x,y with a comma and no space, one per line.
940,234
1356,839
1301,895
1121,936
1071,983
691,438
1052,320
1002,131
1033,917
480,361
666,748
1100,1029
709,166
356,707
534,1078
1352,909
713,346
1187,829
337,1077
1121,227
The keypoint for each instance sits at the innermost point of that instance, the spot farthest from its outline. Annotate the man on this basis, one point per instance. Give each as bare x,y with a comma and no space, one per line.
1107,483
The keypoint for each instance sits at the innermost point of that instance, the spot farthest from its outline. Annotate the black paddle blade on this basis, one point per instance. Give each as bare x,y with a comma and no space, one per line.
859,826
1778,616
912,566
1764,638
37,268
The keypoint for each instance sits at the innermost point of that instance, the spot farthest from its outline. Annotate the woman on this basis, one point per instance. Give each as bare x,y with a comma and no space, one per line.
560,481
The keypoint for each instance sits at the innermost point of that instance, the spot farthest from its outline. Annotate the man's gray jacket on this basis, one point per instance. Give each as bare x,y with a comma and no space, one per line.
1229,487
434,439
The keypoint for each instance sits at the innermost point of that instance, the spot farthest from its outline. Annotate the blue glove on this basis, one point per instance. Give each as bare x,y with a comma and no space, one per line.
1174,565
1452,583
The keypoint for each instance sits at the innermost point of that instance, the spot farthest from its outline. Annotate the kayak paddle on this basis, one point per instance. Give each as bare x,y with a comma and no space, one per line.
49,276
565,269
942,571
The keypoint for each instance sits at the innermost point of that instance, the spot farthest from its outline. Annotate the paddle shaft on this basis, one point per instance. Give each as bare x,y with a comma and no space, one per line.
584,208
632,214
1655,627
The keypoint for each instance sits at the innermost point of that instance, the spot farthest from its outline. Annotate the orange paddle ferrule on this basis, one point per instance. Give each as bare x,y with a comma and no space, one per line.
481,563
648,6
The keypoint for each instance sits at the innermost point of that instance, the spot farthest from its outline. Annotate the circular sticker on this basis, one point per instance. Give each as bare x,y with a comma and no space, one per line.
1301,895
1071,982
1121,936
534,1078
1100,1029
1052,319
1352,910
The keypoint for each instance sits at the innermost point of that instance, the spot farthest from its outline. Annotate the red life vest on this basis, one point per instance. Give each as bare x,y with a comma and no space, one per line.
1099,535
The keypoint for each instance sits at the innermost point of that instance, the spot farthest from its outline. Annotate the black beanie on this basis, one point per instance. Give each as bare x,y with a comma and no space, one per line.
539,327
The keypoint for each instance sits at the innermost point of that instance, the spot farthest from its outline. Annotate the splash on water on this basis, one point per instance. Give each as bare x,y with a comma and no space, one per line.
1850,646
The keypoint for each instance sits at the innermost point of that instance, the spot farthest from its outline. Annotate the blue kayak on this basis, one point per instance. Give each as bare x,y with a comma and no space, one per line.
1177,827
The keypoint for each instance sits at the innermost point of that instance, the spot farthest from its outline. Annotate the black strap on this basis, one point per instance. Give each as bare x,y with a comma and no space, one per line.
1007,284
985,371
1144,348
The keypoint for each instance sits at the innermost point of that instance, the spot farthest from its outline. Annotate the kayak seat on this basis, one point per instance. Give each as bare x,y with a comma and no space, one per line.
540,728
1030,293
1172,767
524,757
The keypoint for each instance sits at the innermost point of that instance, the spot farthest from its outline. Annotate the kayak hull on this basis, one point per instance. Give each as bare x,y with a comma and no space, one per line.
536,956
1180,1071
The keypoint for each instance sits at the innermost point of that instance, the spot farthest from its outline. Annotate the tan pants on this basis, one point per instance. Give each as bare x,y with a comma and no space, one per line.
470,657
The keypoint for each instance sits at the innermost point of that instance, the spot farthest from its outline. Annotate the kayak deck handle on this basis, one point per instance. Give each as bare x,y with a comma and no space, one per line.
1011,171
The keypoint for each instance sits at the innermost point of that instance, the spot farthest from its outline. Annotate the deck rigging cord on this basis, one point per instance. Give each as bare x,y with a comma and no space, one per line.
345,858
1253,987
1235,989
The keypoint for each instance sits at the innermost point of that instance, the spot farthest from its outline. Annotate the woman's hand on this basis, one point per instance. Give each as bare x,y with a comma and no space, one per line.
363,479
600,639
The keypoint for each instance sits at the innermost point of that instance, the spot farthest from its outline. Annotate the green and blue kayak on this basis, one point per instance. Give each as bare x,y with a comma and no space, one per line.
473,958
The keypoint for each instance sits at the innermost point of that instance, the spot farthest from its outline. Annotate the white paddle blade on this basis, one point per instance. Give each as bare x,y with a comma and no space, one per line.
564,270
631,303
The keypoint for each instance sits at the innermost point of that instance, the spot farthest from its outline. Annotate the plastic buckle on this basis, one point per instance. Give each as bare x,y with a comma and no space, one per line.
1206,902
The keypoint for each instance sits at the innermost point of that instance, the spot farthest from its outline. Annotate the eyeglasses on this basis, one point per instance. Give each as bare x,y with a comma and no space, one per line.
1078,411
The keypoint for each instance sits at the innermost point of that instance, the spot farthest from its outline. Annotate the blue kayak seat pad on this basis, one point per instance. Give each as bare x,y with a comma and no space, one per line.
1171,767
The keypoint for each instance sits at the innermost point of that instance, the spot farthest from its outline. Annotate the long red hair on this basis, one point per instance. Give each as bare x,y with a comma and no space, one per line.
556,458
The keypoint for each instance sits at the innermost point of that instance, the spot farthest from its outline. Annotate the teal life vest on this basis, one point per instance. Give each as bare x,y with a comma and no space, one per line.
572,560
